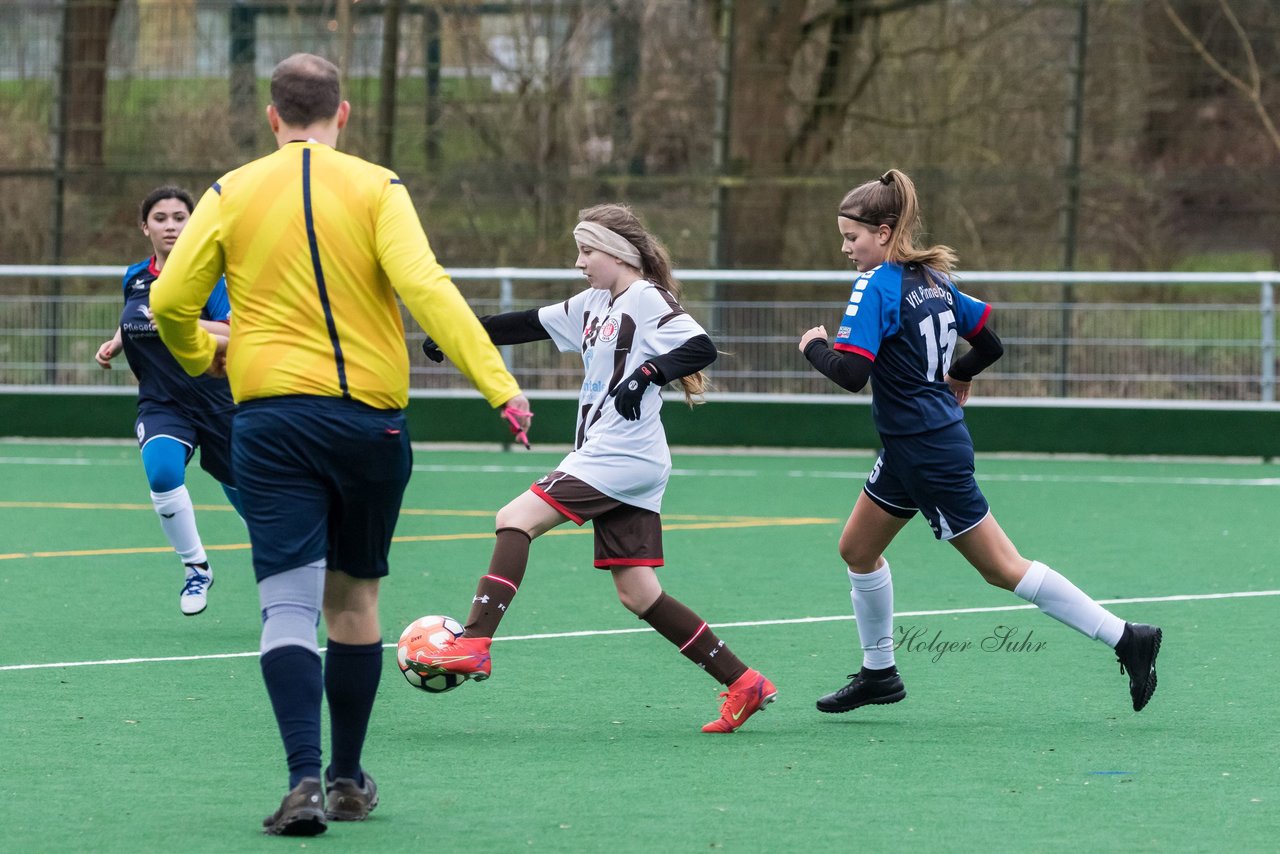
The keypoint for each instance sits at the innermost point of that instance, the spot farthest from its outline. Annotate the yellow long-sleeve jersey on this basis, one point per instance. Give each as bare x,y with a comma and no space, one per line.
315,244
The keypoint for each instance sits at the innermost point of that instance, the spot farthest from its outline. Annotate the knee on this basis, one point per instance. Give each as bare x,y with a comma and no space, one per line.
640,600
1005,574
504,519
994,577
165,477
511,517
289,624
858,559
634,603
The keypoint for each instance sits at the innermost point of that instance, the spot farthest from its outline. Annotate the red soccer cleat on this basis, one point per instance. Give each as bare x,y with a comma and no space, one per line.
463,656
750,693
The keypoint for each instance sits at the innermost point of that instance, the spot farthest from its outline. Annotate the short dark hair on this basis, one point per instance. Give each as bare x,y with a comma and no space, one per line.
304,89
159,194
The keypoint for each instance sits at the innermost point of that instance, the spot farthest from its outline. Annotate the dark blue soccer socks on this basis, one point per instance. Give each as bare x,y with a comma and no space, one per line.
294,683
351,676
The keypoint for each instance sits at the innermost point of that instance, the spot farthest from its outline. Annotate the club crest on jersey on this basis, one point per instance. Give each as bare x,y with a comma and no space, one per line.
609,330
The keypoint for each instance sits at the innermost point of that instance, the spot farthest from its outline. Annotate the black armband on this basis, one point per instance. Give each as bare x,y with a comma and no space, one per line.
515,327
848,370
689,358
984,349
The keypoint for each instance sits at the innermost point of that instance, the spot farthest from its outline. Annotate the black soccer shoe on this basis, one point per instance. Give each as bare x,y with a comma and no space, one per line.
864,690
1139,645
348,802
301,812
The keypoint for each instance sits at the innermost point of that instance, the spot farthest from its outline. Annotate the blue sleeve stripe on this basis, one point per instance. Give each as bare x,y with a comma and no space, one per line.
397,181
217,188
319,271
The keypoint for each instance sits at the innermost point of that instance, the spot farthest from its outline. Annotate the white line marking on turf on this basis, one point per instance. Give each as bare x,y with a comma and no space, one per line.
63,461
1125,480
793,621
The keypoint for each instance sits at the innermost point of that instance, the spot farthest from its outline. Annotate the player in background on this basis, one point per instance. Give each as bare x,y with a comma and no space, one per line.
899,329
316,245
634,338
177,413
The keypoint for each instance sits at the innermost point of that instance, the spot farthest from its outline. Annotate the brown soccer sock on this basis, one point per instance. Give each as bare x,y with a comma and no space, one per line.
496,590
675,622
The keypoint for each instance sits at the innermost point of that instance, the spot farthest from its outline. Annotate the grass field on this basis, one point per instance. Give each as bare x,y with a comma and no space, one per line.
127,727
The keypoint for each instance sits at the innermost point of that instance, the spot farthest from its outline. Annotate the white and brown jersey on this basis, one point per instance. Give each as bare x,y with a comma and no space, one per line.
627,460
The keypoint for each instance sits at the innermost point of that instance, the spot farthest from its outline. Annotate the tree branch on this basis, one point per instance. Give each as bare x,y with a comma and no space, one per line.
1252,92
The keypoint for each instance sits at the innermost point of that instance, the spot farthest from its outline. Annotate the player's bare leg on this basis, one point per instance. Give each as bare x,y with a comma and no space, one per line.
991,552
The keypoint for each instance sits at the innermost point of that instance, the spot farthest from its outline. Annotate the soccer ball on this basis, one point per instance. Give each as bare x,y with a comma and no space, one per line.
420,639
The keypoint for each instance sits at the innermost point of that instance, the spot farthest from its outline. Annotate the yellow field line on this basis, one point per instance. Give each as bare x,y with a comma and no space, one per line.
221,508
721,524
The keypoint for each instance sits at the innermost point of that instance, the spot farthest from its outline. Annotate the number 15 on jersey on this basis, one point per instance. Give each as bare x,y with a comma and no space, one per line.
939,333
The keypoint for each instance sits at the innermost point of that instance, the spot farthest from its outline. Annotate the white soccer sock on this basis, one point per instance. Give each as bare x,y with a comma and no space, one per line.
872,595
178,520
1062,600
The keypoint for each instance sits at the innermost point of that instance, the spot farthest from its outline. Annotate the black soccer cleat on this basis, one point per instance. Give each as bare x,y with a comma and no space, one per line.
864,690
1137,650
301,812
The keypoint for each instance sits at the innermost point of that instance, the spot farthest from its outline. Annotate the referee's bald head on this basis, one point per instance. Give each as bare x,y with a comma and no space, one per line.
304,90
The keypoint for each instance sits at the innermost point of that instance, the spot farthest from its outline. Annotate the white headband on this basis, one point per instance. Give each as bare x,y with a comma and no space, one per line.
596,236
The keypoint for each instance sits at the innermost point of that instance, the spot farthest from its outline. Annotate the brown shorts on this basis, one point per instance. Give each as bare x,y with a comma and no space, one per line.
625,535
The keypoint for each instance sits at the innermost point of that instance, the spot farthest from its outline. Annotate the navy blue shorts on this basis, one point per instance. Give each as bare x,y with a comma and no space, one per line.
931,473
211,433
320,477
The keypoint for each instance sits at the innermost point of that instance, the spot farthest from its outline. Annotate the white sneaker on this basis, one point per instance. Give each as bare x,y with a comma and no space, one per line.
195,592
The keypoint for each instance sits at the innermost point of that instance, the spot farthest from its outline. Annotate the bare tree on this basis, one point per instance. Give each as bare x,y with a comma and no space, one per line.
1249,81
798,65
86,33
538,118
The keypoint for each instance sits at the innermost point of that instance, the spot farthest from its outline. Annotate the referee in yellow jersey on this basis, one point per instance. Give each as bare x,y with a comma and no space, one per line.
315,246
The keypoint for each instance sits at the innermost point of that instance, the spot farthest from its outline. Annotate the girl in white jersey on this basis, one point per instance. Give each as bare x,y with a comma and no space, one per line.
634,338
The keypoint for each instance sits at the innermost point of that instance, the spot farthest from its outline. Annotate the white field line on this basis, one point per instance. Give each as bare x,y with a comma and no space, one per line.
793,621
1123,480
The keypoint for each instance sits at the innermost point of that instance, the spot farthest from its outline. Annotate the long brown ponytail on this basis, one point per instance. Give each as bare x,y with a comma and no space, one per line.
891,200
655,264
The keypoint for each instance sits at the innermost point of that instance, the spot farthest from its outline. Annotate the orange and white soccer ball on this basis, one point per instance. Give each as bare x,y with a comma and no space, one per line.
421,639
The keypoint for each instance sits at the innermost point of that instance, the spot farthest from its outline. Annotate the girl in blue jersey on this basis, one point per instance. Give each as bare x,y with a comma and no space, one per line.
176,413
899,330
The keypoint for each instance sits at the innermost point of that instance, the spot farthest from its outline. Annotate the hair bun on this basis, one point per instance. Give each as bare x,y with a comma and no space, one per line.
887,178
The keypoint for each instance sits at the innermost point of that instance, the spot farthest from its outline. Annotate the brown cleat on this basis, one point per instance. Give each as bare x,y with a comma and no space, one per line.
349,802
301,812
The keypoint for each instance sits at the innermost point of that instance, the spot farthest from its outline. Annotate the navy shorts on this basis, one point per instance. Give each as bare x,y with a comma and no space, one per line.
211,433
320,477
932,473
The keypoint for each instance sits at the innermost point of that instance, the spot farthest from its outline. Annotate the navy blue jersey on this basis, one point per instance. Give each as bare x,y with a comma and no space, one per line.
906,319
160,378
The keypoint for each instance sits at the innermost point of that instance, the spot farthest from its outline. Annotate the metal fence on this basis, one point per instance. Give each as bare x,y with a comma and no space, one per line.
1155,336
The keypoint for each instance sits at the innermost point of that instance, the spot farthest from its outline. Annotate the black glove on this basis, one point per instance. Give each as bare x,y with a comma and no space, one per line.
432,351
628,393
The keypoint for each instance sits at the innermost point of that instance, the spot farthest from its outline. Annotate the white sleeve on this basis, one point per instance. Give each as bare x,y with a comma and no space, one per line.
666,325
564,322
